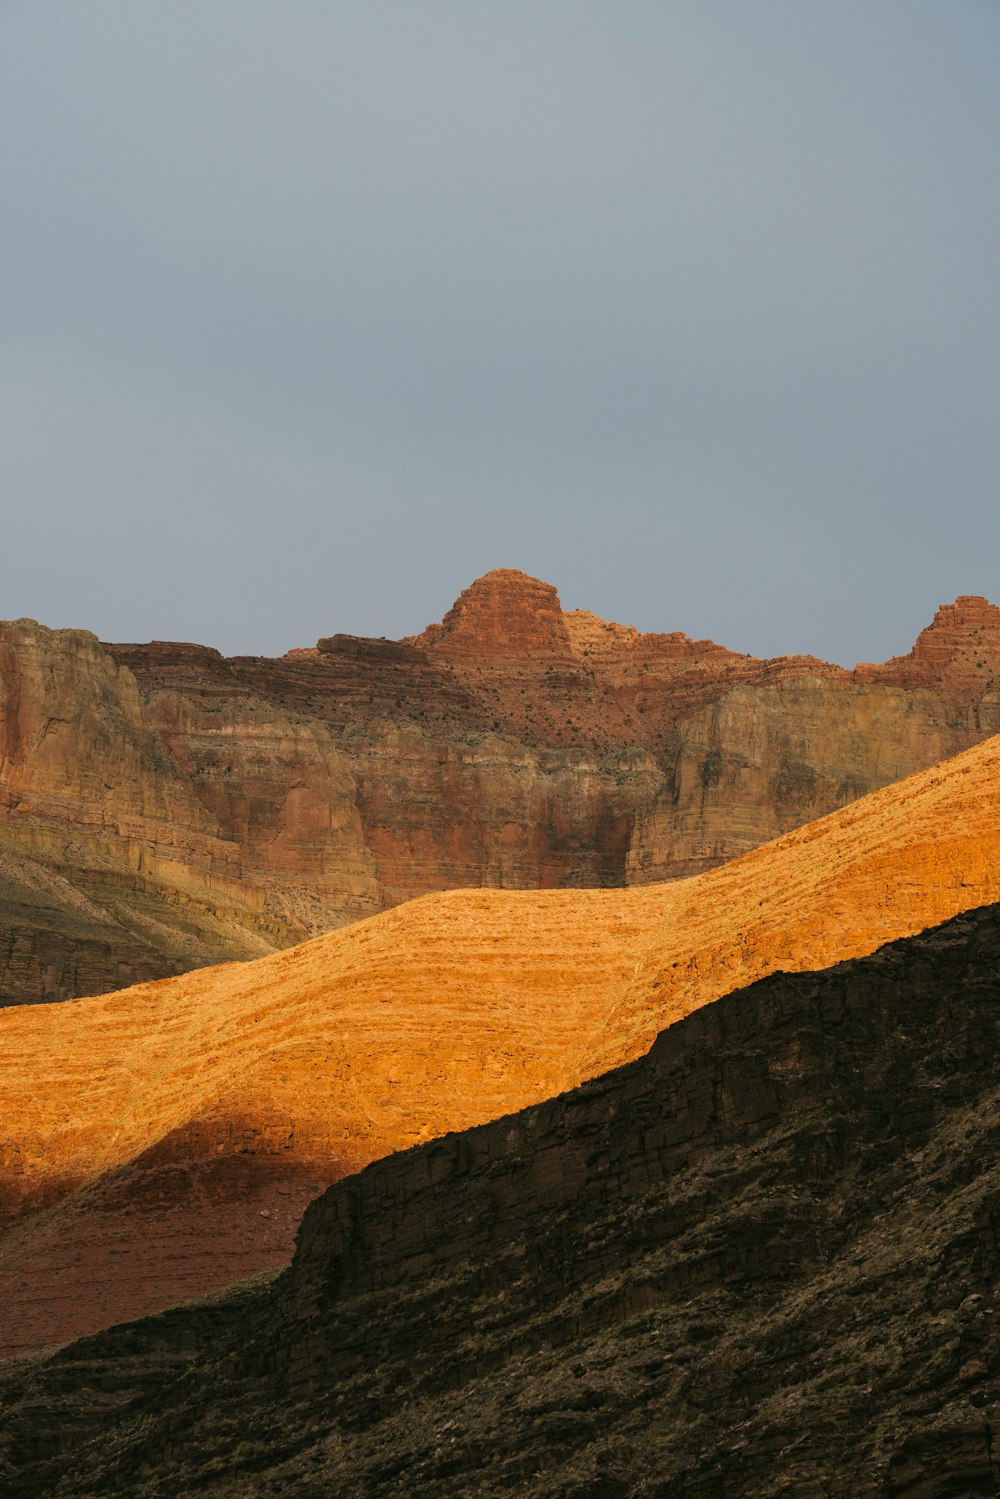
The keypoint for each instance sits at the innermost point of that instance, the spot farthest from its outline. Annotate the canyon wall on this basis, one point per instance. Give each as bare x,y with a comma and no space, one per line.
163,807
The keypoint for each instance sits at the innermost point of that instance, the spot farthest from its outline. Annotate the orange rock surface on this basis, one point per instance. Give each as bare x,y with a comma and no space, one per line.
162,1140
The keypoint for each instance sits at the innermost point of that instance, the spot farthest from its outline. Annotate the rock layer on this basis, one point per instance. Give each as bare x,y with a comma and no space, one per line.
206,808
760,1261
160,1140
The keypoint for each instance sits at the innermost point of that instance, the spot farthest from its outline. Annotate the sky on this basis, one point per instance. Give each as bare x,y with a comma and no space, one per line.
312,311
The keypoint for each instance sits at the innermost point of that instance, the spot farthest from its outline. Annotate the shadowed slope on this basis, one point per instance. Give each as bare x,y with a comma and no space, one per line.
55,939
760,1261
162,1120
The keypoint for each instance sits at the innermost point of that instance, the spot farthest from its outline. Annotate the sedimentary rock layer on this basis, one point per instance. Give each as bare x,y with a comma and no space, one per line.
162,1140
206,808
762,1260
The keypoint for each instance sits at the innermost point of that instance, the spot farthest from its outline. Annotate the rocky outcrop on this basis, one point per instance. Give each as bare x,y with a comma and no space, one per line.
237,1093
957,653
504,614
207,808
761,1260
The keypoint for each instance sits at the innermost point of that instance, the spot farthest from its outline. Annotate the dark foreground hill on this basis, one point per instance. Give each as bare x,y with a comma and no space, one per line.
762,1260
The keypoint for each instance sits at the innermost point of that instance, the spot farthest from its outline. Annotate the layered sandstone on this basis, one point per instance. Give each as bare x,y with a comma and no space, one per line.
518,745
204,808
110,869
760,1261
504,614
210,1107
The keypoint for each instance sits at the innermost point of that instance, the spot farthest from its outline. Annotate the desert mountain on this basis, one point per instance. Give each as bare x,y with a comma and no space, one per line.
761,1260
162,807
163,1140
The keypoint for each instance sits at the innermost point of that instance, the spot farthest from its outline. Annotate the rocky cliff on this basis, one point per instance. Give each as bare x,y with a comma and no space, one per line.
111,870
173,807
163,1140
762,1260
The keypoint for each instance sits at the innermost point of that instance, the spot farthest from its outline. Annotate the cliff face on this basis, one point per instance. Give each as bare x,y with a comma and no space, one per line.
761,1260
203,808
236,1094
110,869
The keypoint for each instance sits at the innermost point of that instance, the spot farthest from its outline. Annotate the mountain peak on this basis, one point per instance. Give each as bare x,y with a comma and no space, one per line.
958,651
503,613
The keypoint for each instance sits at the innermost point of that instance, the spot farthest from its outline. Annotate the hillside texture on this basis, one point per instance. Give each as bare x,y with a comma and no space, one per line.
162,807
760,1261
163,1140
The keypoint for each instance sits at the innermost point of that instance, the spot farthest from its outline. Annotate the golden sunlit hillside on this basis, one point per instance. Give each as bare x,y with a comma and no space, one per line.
162,1140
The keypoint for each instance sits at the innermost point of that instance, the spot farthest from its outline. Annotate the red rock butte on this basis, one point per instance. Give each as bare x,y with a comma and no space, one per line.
504,613
163,1140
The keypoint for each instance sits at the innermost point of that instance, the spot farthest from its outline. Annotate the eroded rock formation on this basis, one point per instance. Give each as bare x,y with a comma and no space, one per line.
160,1141
762,1260
206,808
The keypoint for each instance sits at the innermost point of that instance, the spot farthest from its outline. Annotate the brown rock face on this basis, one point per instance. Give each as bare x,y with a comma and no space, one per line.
959,652
57,942
110,869
503,614
157,1142
760,1261
171,807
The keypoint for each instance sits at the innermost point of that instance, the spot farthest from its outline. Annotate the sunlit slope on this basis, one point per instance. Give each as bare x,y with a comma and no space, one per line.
162,1141
888,866
433,1016
158,1141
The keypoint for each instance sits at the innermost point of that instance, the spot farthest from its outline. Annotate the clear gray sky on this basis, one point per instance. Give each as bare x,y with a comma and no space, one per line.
314,310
